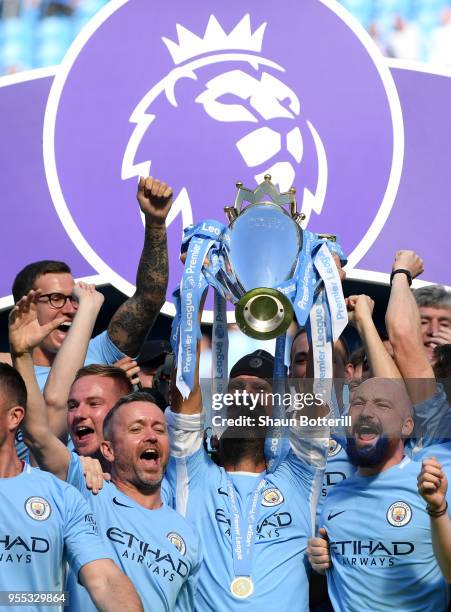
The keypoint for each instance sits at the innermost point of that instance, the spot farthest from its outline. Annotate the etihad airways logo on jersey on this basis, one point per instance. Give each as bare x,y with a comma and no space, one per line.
370,552
267,529
15,549
158,561
330,480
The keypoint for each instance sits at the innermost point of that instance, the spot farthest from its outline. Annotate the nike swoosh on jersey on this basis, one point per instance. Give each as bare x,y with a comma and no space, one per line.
118,503
331,516
222,492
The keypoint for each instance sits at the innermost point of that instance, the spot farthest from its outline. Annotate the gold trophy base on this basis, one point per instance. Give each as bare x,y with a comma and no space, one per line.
263,313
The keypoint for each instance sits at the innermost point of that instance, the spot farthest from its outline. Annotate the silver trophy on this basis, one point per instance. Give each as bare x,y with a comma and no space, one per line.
264,263
265,245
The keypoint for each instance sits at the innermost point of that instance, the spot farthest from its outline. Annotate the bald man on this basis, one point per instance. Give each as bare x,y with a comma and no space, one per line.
375,539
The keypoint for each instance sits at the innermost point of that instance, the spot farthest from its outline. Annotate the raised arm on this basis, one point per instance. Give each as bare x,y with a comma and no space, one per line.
131,322
432,486
193,403
25,333
109,588
404,330
360,312
71,357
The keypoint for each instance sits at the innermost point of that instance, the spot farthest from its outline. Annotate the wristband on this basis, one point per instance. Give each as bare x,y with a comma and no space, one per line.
401,271
437,513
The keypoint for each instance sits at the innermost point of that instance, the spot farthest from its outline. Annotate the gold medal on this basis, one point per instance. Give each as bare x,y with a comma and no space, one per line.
242,587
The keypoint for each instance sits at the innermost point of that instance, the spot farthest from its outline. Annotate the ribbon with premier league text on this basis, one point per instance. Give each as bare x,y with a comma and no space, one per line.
197,243
219,353
327,270
316,293
243,537
329,319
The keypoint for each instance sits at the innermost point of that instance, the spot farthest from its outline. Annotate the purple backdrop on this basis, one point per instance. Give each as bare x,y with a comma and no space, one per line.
257,90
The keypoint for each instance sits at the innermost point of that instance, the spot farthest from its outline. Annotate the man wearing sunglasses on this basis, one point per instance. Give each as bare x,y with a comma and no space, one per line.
131,322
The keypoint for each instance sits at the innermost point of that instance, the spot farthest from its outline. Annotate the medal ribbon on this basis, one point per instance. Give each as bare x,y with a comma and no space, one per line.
242,528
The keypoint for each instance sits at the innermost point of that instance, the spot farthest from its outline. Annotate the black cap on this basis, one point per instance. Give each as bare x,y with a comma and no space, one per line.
259,363
153,352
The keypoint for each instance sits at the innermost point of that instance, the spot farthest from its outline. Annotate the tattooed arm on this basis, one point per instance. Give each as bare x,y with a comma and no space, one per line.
129,326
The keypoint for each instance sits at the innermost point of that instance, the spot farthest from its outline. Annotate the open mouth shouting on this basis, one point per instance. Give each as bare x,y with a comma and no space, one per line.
150,458
366,432
63,329
82,435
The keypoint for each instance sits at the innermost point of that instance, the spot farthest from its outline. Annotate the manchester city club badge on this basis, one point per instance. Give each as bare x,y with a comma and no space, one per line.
38,508
399,514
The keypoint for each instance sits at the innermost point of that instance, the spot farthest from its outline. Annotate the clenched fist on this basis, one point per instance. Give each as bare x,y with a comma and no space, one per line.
408,260
155,199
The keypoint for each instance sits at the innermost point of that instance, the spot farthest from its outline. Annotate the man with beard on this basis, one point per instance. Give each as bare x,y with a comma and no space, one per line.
339,467
375,535
360,313
253,524
151,543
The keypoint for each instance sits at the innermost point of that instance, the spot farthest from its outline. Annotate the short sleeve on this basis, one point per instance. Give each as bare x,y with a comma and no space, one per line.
75,475
102,350
82,541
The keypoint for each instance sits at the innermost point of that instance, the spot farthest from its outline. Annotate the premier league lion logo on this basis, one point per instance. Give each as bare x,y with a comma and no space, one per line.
227,78
206,94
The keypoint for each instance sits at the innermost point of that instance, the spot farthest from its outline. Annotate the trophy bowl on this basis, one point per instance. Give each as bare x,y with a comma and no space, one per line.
265,244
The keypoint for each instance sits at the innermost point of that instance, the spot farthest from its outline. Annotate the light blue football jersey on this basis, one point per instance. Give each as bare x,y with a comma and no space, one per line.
157,549
338,468
441,452
380,544
44,522
285,517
